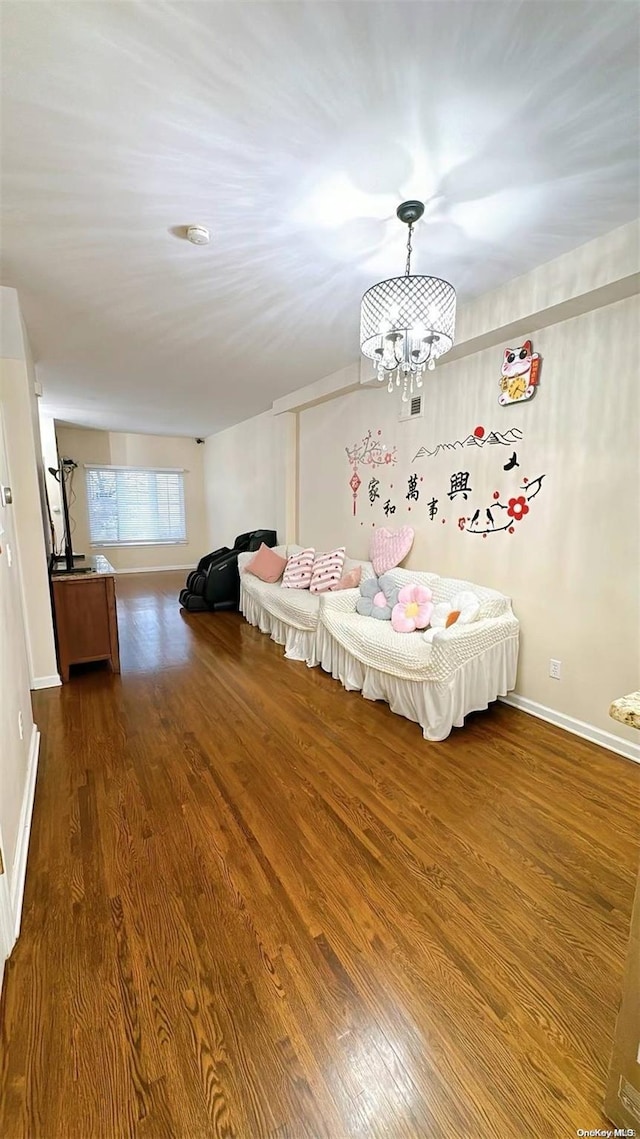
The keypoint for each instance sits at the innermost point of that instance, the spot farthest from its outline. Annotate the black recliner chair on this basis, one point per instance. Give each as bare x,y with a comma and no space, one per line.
215,583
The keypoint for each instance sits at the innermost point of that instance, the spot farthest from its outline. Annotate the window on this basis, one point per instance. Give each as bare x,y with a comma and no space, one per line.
135,506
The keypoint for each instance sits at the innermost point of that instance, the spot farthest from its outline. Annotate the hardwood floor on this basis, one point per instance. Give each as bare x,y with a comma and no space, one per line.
260,906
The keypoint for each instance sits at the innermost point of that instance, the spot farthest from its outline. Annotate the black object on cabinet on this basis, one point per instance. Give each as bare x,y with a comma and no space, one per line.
215,583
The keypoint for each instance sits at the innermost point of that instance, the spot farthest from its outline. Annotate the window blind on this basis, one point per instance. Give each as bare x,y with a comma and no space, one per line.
134,506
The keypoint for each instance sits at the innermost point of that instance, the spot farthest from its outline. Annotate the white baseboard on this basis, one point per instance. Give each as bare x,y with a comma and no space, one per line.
45,682
587,731
6,926
19,872
154,569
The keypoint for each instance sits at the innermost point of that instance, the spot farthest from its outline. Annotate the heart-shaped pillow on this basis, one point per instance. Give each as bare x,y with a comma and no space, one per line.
389,547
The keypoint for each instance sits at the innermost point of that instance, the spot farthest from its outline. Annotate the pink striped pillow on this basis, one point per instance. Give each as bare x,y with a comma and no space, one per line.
299,570
327,570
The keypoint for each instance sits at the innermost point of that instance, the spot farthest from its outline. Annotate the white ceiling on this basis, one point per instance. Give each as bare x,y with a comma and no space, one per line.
292,130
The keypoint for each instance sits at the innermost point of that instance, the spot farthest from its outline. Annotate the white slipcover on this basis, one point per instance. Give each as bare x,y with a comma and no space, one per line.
289,616
435,684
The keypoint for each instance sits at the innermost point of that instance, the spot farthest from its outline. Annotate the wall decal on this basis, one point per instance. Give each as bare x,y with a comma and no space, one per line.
413,493
485,520
513,462
373,490
433,509
459,485
520,372
370,452
389,508
477,438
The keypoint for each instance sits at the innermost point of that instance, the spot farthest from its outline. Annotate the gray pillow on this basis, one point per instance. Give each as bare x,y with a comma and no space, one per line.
378,595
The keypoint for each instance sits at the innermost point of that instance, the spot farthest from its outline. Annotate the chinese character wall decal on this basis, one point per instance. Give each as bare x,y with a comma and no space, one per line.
413,493
459,485
370,452
520,372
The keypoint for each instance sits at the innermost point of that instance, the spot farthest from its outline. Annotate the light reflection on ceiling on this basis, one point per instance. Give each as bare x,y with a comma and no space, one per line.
291,131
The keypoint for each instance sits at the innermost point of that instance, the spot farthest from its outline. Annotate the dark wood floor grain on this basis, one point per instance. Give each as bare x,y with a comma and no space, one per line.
260,907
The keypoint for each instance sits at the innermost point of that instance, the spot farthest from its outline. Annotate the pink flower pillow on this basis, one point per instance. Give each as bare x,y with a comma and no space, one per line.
351,580
299,570
266,564
389,547
413,610
327,570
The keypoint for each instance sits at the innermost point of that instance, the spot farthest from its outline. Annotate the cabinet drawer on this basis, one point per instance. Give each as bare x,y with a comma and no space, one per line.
82,620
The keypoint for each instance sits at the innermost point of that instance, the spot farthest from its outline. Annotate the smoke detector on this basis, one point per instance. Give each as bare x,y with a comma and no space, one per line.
198,234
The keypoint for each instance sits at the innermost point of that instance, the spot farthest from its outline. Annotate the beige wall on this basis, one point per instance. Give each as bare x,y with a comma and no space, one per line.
572,565
27,653
122,449
243,486
15,698
25,463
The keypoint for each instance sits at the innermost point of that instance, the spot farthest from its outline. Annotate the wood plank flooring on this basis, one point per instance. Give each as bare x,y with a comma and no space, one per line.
260,907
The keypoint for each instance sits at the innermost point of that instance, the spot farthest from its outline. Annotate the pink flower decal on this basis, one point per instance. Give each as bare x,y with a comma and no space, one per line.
413,610
517,508
462,522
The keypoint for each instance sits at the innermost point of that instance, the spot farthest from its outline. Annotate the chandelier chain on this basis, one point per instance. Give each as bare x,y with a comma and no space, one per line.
407,270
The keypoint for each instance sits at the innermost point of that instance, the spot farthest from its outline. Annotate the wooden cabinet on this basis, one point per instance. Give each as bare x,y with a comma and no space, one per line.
85,616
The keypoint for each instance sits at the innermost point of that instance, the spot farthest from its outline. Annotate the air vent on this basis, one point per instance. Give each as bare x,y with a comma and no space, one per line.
413,409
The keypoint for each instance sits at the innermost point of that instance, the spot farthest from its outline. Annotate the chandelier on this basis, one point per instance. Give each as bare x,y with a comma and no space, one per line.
407,322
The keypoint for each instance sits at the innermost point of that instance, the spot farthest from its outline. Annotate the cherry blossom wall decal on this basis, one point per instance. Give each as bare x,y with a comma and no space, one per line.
369,452
487,520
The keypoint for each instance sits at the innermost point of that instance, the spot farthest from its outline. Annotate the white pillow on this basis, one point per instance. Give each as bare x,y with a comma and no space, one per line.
461,610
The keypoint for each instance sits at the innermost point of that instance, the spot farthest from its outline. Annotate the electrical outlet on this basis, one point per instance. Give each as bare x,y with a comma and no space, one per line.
20,725
554,669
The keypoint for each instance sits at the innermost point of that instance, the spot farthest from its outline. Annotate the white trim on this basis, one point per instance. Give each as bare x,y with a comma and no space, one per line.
154,569
111,467
19,870
6,925
52,681
6,922
137,543
578,727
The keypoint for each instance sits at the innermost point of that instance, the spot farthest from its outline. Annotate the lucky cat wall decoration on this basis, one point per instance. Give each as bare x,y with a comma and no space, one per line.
520,374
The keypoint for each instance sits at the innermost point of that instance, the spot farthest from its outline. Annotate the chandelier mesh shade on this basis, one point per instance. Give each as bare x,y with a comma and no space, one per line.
407,322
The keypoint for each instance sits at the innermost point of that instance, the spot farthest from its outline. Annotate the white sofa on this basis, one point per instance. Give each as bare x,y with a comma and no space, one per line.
435,684
289,616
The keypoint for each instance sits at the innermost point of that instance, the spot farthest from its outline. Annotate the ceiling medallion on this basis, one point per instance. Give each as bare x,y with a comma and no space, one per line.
407,322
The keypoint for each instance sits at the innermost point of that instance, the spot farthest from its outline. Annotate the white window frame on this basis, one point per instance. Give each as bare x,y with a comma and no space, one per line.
129,544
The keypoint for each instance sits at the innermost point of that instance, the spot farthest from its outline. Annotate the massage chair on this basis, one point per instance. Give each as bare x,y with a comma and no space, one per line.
215,583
